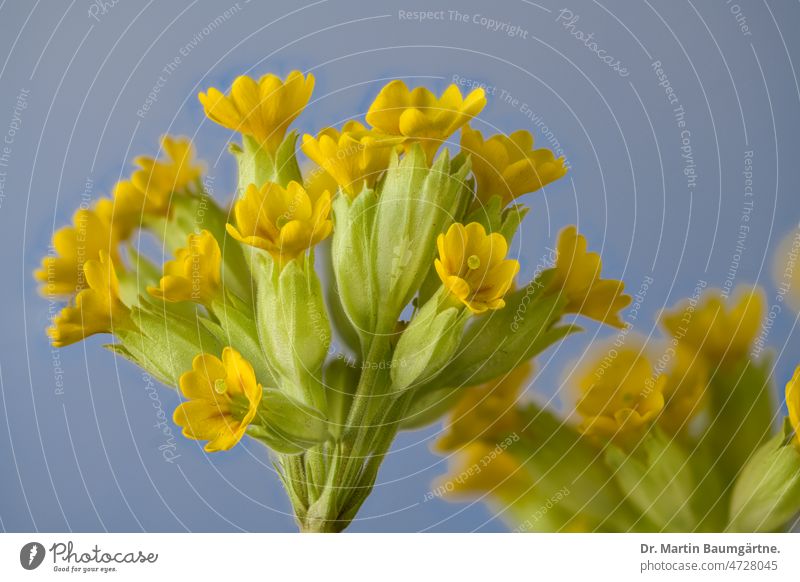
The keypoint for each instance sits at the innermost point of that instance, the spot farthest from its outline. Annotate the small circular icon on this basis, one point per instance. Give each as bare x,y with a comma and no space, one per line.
31,555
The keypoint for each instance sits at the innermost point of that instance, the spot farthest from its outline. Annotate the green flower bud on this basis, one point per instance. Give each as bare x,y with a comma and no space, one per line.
767,493
237,328
287,425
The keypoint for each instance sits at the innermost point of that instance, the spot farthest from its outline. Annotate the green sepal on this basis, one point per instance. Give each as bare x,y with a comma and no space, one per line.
494,218
293,326
257,166
430,405
165,344
741,412
237,328
292,421
428,343
341,380
559,457
341,322
134,282
657,478
496,343
350,255
766,495
416,204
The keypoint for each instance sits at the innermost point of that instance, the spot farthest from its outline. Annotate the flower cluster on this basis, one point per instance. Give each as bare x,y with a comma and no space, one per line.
676,441
416,282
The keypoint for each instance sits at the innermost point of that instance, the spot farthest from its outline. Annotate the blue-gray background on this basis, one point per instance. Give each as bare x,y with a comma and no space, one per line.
89,459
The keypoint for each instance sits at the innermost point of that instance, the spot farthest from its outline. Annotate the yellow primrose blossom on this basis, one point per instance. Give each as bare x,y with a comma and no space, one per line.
478,468
317,181
719,329
473,266
223,399
97,309
283,222
355,157
262,109
793,404
90,233
123,221
194,274
619,400
577,276
420,117
486,412
684,390
158,179
508,166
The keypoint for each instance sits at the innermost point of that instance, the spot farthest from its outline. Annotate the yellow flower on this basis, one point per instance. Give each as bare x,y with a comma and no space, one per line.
97,309
123,220
90,233
159,179
317,181
354,157
486,412
473,266
283,222
194,274
684,389
577,277
421,117
508,166
714,328
263,109
619,400
793,403
477,468
223,399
